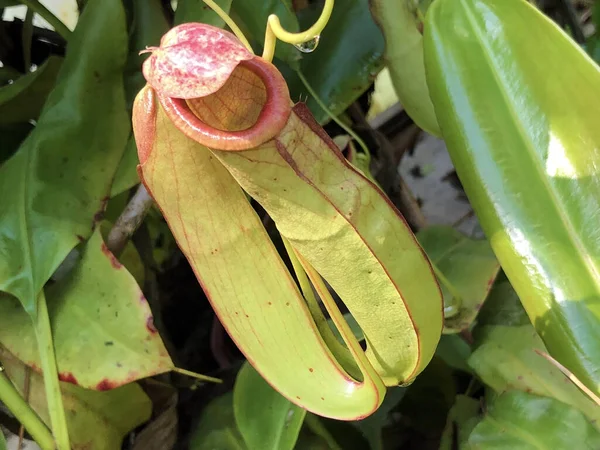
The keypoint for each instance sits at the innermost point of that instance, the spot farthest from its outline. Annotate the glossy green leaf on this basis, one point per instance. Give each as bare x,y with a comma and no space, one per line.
54,189
252,17
22,100
198,11
98,311
2,441
216,428
505,359
96,420
346,61
461,420
404,56
265,418
520,421
526,152
503,306
454,351
240,270
468,264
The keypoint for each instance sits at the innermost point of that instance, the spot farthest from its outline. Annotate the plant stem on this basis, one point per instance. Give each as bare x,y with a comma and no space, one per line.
198,376
275,31
230,23
345,127
56,23
56,410
129,220
567,373
450,310
25,414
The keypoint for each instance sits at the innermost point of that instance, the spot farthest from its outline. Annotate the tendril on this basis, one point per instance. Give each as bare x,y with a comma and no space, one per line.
275,31
230,23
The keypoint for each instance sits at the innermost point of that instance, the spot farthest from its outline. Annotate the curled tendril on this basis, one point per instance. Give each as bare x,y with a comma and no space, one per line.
275,31
230,23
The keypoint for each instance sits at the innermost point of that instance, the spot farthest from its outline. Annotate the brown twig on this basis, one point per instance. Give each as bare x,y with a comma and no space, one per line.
567,373
129,220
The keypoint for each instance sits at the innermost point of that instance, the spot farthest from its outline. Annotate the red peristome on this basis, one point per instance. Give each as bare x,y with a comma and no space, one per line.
113,259
193,60
106,385
273,116
67,377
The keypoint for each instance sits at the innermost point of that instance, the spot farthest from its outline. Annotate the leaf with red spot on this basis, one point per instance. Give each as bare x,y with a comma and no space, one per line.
104,335
96,420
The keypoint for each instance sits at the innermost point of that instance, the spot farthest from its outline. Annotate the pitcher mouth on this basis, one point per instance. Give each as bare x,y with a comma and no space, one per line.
241,119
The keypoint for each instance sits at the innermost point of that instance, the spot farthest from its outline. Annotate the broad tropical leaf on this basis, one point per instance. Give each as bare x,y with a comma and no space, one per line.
275,424
522,421
404,55
527,158
468,264
505,359
54,189
24,99
103,331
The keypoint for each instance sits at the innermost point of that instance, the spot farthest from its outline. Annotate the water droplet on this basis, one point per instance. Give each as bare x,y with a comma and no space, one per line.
406,384
308,46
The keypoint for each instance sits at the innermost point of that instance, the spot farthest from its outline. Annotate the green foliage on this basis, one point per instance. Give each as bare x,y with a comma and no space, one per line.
252,17
97,420
216,427
526,158
404,57
513,97
114,324
462,418
273,426
470,268
505,359
344,64
24,99
56,183
518,420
